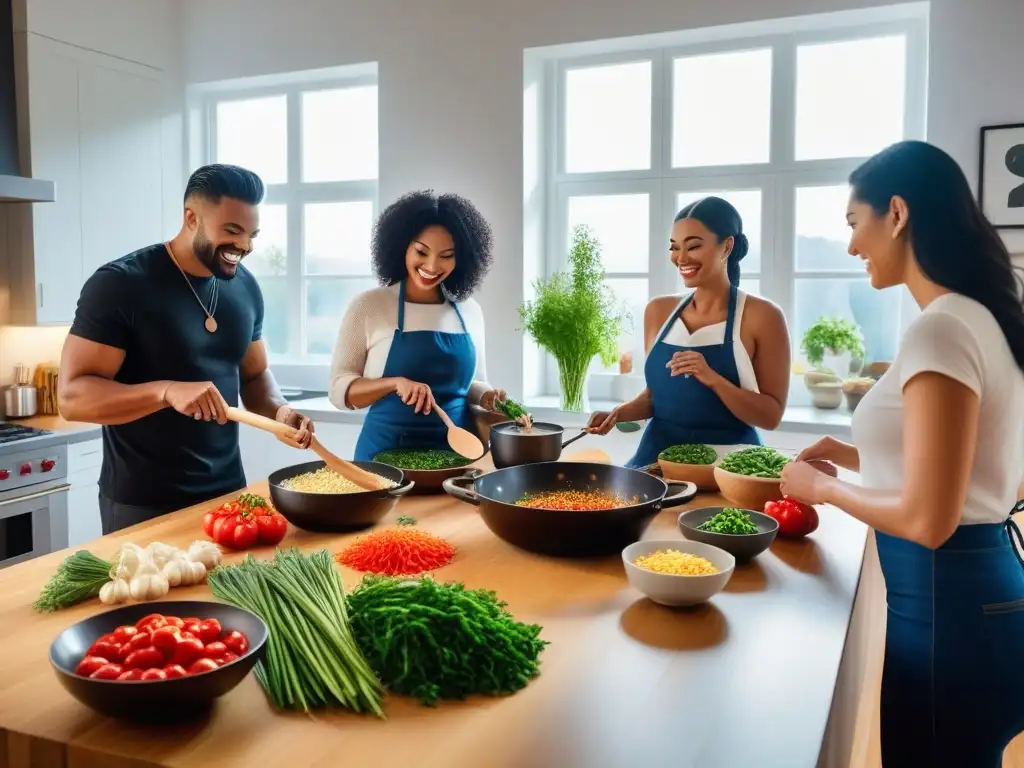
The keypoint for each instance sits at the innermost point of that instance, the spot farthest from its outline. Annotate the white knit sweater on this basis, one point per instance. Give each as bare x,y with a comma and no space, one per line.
364,338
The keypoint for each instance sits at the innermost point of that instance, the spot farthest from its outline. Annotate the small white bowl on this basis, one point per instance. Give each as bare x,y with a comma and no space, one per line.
672,589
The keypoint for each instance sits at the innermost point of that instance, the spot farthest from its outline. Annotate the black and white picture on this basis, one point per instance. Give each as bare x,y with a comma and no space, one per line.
1001,175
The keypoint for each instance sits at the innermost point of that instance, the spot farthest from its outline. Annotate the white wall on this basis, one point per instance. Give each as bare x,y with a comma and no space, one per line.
451,78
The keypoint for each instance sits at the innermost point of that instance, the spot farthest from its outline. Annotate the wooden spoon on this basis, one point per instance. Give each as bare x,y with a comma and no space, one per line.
348,470
462,441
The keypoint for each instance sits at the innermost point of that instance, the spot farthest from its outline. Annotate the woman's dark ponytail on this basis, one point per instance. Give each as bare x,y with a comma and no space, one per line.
724,220
954,244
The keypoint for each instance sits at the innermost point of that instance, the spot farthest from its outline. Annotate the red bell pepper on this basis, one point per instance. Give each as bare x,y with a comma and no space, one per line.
795,519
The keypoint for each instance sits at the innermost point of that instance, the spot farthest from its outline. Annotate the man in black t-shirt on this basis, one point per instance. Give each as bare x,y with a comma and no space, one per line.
164,340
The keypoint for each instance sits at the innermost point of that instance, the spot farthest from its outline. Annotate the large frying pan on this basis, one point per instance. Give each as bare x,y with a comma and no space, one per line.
568,533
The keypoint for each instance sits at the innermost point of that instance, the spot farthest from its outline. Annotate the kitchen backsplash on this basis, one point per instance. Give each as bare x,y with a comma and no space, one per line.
29,346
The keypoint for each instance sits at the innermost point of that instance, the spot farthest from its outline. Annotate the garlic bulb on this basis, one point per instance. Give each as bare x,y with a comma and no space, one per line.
205,552
172,572
160,553
114,592
127,561
148,583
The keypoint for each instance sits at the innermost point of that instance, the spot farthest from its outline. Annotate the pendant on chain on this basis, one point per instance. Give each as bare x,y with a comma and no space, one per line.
211,324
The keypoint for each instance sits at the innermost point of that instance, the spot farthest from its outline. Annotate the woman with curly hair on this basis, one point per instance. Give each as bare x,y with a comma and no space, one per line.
418,340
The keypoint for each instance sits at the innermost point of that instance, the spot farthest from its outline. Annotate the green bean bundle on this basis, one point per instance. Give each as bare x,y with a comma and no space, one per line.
759,461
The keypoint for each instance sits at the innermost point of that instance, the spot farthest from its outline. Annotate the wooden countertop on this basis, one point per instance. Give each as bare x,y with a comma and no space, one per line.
746,680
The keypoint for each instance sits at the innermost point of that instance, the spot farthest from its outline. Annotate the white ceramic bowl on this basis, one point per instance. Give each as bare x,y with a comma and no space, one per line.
670,589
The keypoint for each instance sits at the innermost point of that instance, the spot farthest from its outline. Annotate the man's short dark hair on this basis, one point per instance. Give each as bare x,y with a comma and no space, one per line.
219,180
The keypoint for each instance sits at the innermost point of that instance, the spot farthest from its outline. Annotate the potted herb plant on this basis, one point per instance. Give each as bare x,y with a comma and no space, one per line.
575,317
835,349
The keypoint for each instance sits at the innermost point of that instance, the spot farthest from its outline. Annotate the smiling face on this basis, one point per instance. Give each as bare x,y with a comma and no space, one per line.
697,254
429,259
877,241
222,233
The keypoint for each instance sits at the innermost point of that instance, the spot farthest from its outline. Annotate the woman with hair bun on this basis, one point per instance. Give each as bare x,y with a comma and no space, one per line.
717,359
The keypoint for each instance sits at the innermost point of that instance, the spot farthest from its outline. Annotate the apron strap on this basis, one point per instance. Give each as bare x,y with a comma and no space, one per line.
458,314
1016,538
401,306
730,321
676,315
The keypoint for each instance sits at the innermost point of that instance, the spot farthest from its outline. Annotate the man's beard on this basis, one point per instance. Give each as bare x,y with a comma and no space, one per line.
209,257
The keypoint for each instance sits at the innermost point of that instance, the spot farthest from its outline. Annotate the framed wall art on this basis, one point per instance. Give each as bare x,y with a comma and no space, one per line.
1001,175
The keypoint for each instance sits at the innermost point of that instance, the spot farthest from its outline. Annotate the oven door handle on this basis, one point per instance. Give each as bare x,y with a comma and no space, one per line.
37,495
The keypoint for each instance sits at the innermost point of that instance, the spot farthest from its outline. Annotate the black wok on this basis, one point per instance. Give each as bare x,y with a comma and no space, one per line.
568,533
336,512
427,481
511,446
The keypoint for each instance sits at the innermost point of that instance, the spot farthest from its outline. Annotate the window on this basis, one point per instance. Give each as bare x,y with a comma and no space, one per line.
314,144
773,124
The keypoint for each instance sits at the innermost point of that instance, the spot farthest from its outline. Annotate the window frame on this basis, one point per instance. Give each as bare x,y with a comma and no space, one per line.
777,179
295,368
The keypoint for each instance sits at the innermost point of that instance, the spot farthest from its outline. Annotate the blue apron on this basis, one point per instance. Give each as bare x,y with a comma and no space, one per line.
445,362
684,410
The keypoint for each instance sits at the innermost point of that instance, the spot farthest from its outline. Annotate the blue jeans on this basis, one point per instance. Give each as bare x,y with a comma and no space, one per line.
952,684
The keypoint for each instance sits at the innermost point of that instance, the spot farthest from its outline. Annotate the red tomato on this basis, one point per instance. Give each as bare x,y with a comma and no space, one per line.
187,651
130,675
795,520
209,630
227,658
272,527
125,633
236,642
154,674
191,628
107,672
144,621
174,621
175,670
141,640
105,650
166,639
144,659
202,665
214,650
90,664
238,531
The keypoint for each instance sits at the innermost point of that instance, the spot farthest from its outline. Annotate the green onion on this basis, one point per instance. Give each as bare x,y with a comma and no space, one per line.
79,578
406,520
689,453
510,408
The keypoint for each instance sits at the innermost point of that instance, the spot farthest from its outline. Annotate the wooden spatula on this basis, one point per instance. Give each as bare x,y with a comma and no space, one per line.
346,469
462,441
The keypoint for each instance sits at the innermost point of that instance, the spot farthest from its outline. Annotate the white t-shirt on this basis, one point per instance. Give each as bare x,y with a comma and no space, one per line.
364,338
711,335
959,338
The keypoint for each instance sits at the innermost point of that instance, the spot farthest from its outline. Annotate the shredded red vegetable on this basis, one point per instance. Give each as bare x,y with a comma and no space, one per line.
397,552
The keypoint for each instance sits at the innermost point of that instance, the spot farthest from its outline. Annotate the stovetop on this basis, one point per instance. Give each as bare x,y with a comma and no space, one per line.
12,432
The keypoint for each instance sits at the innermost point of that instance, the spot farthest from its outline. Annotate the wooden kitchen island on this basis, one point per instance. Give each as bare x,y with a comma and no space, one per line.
745,681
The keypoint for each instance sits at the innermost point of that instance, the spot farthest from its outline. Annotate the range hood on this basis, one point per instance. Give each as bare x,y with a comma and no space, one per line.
14,188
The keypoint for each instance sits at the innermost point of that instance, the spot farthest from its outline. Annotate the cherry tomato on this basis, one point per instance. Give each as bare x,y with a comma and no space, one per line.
145,658
272,527
191,629
107,672
238,531
105,650
144,621
214,650
187,651
90,664
124,652
141,640
166,639
202,665
174,621
236,642
125,633
175,670
154,674
131,675
209,630
227,658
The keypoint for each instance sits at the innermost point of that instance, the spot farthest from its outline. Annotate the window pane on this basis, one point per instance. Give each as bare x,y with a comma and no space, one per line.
275,313
822,235
337,238
339,134
254,134
326,302
748,204
608,118
632,293
876,312
269,256
831,77
752,286
621,224
702,137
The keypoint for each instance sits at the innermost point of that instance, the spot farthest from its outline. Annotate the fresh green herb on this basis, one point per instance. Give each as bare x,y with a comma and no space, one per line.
510,408
312,659
689,453
759,461
406,520
442,641
576,316
428,458
835,336
78,578
730,520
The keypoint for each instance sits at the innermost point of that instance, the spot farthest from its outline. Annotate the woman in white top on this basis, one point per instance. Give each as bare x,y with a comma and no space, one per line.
418,340
717,359
937,442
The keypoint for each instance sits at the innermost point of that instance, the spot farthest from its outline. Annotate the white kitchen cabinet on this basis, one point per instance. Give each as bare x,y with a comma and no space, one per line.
84,460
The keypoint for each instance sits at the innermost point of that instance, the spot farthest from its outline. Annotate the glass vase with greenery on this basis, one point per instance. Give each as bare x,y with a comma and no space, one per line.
833,337
575,317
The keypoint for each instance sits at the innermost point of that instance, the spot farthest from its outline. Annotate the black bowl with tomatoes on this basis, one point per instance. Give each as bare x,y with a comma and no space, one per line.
168,660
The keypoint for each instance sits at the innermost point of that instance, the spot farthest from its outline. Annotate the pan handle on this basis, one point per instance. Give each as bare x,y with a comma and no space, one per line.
572,440
679,492
453,486
401,490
